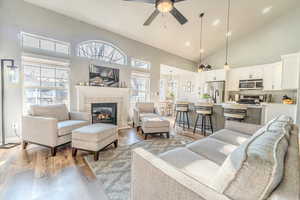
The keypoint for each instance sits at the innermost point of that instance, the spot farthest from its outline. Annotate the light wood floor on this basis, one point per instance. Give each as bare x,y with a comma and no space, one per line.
33,174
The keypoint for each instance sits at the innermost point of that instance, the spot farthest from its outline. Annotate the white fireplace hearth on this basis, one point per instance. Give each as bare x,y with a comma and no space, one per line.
88,95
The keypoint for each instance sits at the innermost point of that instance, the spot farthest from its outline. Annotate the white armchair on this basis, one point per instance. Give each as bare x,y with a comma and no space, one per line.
143,110
51,125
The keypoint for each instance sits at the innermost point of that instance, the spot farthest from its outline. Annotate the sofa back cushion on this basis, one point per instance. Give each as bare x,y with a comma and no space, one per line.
255,168
58,111
145,107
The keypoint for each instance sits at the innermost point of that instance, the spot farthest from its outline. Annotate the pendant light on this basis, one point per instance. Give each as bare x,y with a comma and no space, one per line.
226,65
201,66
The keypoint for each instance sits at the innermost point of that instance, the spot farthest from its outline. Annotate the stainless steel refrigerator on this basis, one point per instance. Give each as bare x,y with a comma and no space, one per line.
216,90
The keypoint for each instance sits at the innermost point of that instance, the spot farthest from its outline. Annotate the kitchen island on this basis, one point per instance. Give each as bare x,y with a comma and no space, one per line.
254,115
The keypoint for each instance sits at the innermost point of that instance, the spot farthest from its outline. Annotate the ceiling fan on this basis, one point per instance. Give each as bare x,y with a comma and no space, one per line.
163,6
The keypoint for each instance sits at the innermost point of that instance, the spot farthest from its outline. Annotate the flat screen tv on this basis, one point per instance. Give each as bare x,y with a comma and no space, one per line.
104,76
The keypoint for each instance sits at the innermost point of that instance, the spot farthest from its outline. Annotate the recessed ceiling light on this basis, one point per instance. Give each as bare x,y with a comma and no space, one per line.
201,50
229,34
187,43
216,22
266,10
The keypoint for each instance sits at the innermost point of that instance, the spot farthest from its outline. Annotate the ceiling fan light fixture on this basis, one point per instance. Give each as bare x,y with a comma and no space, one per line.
165,5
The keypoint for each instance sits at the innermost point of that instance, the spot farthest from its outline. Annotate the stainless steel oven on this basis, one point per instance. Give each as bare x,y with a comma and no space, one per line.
253,84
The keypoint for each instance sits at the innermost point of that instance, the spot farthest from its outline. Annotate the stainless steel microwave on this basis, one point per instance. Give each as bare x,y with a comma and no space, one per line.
253,84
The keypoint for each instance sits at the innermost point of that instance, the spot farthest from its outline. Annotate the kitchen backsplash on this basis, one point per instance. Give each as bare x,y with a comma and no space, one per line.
276,95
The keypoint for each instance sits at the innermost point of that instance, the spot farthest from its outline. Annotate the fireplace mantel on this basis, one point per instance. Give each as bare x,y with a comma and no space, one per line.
86,95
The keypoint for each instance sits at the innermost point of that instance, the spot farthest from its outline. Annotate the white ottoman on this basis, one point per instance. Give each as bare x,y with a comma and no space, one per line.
155,125
94,138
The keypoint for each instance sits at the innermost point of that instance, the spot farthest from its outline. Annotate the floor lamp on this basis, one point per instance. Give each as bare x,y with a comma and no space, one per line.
11,67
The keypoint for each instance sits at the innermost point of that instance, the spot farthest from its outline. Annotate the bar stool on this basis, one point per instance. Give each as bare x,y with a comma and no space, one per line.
235,112
182,114
204,111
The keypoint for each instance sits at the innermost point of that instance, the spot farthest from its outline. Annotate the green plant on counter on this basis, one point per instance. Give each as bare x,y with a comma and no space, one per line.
206,96
171,96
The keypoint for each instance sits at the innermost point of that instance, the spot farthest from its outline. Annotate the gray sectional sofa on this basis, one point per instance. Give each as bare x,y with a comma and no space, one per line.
240,162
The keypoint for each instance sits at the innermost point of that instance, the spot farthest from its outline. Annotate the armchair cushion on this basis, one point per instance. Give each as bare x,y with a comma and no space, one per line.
66,127
58,111
145,107
148,115
79,116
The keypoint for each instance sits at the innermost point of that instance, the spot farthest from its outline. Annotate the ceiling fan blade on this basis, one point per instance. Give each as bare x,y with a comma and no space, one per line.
180,18
143,1
151,18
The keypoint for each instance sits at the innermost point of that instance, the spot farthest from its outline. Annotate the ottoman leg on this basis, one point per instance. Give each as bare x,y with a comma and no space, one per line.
96,155
116,143
146,135
168,134
53,151
74,152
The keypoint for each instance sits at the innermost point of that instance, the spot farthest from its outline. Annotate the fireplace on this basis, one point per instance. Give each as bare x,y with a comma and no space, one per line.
104,113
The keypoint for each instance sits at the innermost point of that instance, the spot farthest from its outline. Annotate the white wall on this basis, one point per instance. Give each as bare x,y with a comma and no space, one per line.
266,45
17,15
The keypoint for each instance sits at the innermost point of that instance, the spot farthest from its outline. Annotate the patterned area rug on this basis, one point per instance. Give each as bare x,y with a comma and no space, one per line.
113,167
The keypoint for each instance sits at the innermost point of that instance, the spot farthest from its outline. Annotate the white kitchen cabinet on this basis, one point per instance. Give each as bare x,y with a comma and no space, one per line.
272,76
200,83
215,75
290,71
233,79
254,72
273,110
220,74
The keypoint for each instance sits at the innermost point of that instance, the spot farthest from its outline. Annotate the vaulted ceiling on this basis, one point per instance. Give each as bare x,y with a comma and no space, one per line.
127,18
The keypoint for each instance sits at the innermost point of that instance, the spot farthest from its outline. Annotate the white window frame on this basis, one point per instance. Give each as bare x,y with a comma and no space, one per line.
97,54
46,39
56,66
147,89
134,60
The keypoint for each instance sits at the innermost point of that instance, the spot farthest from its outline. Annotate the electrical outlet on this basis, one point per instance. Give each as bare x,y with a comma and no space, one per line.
14,126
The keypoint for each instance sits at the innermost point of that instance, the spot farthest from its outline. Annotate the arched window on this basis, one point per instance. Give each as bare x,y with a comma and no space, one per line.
103,51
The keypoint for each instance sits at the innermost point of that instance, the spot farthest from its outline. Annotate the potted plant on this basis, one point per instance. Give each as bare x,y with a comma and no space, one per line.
206,98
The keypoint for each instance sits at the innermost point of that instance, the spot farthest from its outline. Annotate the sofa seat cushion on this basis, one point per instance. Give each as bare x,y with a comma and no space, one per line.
231,137
192,164
148,115
66,127
57,111
212,149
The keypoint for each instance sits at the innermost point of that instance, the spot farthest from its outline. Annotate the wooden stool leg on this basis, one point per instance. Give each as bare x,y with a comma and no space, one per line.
204,125
187,119
96,156
211,125
196,122
175,120
168,134
180,119
74,152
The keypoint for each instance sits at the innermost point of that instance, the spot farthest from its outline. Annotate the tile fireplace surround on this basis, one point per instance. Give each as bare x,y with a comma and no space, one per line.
88,95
